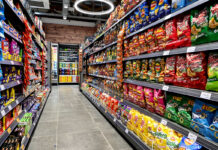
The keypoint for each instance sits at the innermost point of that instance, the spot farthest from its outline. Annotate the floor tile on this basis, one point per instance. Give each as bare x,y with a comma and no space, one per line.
46,128
43,143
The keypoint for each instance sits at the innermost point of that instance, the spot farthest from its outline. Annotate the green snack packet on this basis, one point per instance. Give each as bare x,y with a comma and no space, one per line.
173,102
212,70
144,70
199,26
151,70
213,22
185,111
159,69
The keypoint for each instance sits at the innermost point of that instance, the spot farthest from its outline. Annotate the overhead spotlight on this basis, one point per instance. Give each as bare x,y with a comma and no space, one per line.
66,6
64,17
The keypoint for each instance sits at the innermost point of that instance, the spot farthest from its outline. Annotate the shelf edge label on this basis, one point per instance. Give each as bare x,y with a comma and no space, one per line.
165,87
164,122
192,136
191,49
205,95
165,53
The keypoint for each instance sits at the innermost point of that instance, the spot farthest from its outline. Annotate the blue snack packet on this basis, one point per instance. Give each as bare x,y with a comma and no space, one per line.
2,8
138,20
187,144
154,9
144,11
127,26
164,8
202,116
177,4
212,131
132,23
188,2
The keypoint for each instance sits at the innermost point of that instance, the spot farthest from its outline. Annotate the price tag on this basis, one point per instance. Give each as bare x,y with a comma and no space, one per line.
167,17
9,107
17,102
205,95
2,87
9,130
115,119
165,87
22,147
18,82
18,120
192,136
164,122
34,123
127,131
191,49
3,112
165,53
12,62
28,135
25,110
105,111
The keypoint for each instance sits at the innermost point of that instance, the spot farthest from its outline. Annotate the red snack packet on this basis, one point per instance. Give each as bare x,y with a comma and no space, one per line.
160,36
150,38
184,31
136,46
196,70
142,43
171,34
181,71
126,48
170,70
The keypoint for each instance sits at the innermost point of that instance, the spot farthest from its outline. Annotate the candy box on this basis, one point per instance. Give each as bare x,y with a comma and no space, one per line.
202,116
212,71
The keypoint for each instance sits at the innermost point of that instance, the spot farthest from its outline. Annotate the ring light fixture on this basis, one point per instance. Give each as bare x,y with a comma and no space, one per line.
109,3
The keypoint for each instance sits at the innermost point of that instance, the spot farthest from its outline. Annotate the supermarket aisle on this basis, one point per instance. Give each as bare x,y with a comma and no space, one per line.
70,122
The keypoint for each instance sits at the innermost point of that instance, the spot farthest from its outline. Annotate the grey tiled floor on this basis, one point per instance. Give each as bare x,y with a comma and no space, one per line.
70,122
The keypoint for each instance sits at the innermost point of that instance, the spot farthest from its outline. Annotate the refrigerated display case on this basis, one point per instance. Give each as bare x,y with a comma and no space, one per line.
54,63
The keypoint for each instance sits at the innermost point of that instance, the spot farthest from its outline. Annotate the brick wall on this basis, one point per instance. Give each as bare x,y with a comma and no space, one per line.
67,34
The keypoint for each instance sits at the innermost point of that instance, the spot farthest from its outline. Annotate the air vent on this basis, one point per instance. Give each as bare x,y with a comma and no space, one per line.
36,4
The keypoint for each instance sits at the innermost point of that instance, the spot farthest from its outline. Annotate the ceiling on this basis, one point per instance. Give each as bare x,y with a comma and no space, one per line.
55,9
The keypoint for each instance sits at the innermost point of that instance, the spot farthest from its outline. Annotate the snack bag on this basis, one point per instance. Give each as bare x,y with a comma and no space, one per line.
126,48
196,70
143,128
159,102
171,34
213,129
138,20
159,69
141,95
149,98
181,71
170,70
5,48
1,74
151,70
164,8
150,39
127,69
142,43
213,22
144,70
187,144
184,111
125,90
132,23
212,71
199,26
152,128
202,116
161,137
136,46
130,123
144,10
131,70
173,103
177,4
154,9
173,139
160,36
184,31
137,123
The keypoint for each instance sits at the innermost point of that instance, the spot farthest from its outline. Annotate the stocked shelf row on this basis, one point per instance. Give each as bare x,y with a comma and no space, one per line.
104,62
138,144
105,47
10,62
27,138
105,77
186,132
11,35
9,85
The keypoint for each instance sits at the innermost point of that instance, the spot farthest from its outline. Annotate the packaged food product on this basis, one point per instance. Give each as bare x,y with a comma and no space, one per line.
160,36
190,1
181,71
212,71
137,48
164,8
159,102
132,23
141,95
143,128
138,19
5,48
184,31
170,70
171,34
173,103
126,48
152,128
177,4
161,137
187,144
185,111
2,14
154,9
142,43
144,10
173,139
150,39
199,26
196,70
213,129
151,70
159,69
149,98
202,116
144,69
213,22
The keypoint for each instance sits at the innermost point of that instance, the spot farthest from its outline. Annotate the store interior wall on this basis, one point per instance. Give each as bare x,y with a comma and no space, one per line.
58,33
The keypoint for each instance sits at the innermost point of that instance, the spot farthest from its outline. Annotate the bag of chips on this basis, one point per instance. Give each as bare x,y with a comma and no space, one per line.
142,43
160,36
173,139
196,70
159,69
199,26
212,71
161,137
177,4
150,39
187,144
154,9
202,116
151,70
170,70
144,70
138,20
159,102
149,98
144,10
164,8
213,22
132,23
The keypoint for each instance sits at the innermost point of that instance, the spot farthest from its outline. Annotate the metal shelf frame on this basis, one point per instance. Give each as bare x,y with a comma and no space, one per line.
104,62
105,77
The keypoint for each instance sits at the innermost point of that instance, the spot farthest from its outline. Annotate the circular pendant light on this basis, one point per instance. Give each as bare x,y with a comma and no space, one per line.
104,12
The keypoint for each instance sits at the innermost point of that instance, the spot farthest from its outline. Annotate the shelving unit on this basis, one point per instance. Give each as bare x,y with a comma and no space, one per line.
91,52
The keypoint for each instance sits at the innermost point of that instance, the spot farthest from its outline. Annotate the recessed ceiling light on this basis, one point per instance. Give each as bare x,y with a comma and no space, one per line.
65,5
104,12
64,17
